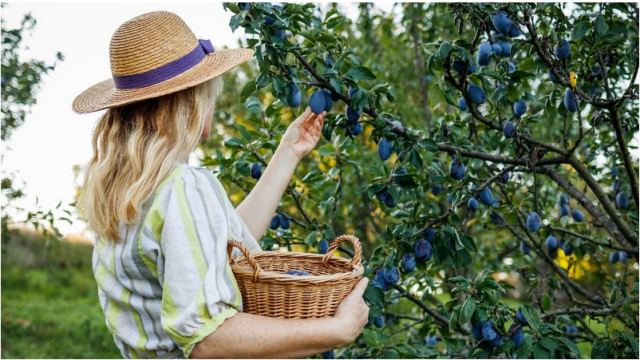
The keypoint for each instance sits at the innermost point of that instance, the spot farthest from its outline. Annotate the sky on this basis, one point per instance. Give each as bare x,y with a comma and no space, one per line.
43,151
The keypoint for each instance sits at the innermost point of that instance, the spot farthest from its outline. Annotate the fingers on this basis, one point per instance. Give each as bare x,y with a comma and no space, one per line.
360,287
304,117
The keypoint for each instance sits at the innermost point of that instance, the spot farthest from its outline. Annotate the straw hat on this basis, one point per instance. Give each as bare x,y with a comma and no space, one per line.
156,54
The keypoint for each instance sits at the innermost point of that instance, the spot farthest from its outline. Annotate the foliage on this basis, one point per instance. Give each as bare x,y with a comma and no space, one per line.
49,302
20,83
407,86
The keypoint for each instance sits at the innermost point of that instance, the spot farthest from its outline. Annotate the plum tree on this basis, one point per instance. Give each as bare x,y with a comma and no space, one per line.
411,109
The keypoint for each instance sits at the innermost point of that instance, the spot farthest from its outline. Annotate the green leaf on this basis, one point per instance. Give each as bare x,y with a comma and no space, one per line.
540,353
234,142
444,50
531,316
467,310
570,345
312,238
549,344
374,296
247,90
601,25
579,30
360,73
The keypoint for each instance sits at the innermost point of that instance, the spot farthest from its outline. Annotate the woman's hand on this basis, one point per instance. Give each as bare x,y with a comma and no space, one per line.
352,314
303,134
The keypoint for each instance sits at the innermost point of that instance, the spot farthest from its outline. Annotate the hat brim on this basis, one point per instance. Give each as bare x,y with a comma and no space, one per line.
105,95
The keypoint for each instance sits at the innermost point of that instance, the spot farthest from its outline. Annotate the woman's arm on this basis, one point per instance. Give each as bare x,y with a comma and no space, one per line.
251,336
257,209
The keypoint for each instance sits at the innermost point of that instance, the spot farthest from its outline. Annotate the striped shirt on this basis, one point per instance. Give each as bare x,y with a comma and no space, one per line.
167,284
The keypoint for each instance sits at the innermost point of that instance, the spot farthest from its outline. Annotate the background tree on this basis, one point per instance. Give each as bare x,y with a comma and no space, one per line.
21,80
484,161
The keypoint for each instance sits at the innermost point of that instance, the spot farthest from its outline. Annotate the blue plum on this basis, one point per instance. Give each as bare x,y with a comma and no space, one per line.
269,20
408,263
486,196
501,22
430,234
554,79
622,201
551,243
524,248
323,246
353,91
462,104
505,48
570,102
488,332
564,210
533,221
484,53
508,129
317,102
384,149
295,96
284,222
520,318
577,215
279,33
517,335
423,250
328,61
570,330
256,170
496,218
476,330
431,340
562,49
386,198
297,272
476,94
392,275
567,248
436,189
514,31
353,115
355,129
328,355
378,321
457,169
328,100
472,204
519,107
275,222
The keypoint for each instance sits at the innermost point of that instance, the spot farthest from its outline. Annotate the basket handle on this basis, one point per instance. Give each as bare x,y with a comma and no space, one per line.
356,260
247,256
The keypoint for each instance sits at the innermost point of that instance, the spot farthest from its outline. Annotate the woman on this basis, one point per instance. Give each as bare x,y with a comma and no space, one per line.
164,281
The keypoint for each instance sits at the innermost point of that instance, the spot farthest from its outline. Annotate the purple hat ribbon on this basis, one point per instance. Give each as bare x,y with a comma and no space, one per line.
167,71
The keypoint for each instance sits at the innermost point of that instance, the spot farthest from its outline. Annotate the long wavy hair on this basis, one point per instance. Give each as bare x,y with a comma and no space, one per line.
135,147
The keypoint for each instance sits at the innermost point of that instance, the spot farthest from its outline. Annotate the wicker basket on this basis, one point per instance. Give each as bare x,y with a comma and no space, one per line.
267,290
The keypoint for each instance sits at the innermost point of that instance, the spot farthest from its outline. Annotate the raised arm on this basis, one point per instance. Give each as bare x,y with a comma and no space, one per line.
250,336
259,206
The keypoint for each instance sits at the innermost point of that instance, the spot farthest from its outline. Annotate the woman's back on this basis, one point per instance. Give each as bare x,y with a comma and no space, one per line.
167,283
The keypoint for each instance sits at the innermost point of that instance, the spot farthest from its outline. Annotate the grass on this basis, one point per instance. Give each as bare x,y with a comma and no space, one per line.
50,306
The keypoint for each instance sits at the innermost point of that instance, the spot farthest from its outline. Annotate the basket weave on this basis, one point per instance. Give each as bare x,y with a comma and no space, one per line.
268,291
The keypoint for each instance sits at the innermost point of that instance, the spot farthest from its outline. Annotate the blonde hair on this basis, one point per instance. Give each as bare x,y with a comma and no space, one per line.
135,147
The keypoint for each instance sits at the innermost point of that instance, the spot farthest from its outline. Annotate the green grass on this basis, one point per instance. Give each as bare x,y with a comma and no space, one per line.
51,310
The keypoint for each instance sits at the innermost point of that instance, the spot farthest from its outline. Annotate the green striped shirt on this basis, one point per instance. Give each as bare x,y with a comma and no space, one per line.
167,284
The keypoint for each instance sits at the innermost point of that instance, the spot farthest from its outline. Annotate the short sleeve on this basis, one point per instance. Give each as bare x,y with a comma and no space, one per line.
238,228
199,290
